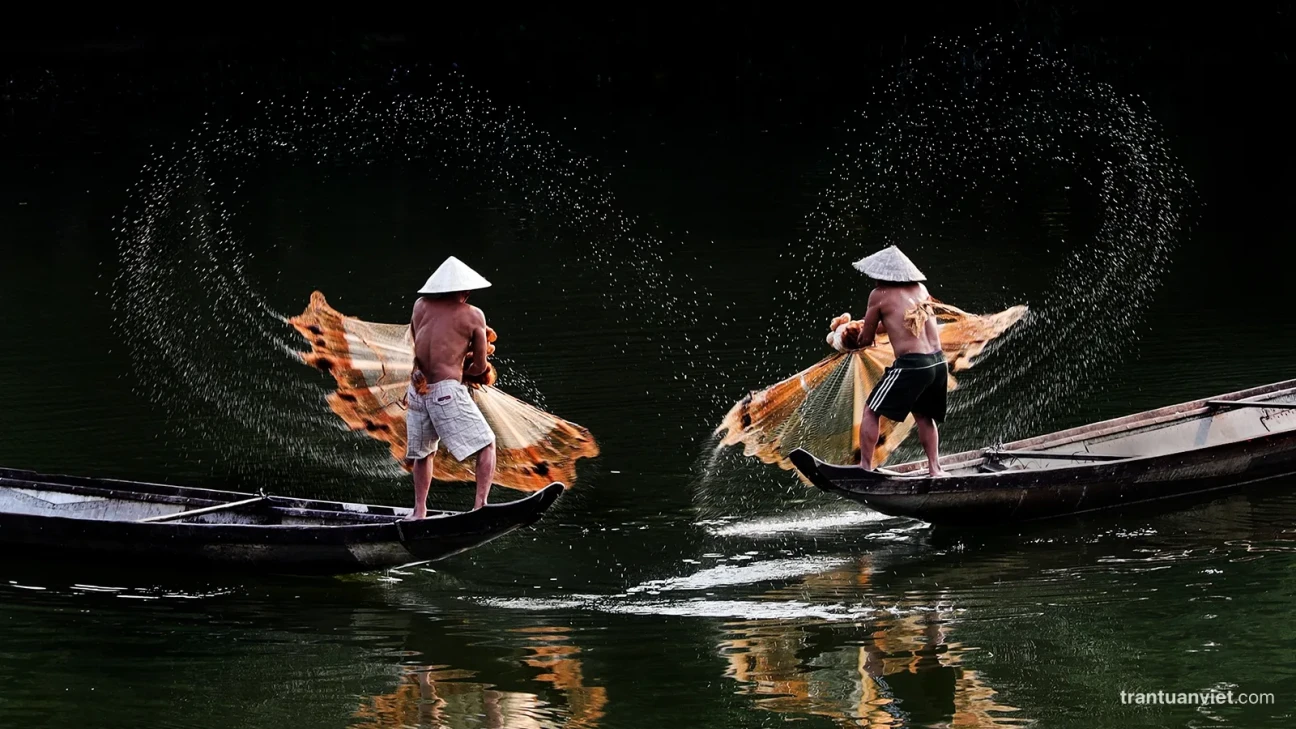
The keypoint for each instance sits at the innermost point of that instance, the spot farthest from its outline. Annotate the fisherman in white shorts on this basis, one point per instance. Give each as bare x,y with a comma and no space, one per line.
441,410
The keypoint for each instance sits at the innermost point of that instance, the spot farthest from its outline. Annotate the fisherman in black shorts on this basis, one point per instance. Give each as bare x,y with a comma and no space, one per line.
917,382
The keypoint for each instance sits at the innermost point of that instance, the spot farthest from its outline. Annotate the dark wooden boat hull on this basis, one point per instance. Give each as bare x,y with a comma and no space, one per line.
1029,495
974,499
348,537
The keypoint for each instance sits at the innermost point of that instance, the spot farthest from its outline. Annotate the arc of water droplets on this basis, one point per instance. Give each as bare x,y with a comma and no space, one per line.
201,332
981,120
983,117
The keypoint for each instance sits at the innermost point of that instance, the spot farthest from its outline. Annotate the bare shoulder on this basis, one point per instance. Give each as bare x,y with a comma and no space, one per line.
882,298
474,316
420,306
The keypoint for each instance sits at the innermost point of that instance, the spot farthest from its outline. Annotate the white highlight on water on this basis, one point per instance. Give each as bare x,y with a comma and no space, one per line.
796,524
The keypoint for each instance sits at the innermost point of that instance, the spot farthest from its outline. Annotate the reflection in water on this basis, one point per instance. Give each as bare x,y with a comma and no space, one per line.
440,696
436,696
899,671
551,649
945,629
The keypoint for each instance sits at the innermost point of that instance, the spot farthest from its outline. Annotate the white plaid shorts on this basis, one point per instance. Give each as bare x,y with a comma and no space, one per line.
445,413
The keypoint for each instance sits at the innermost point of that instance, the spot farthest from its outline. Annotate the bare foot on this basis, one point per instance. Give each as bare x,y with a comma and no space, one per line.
478,506
937,472
418,514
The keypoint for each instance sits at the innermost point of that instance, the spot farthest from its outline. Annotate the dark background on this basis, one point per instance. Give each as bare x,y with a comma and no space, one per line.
1197,67
715,119
614,81
716,122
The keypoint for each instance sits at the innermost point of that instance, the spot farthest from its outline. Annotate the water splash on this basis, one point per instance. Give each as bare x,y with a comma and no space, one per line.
735,591
810,522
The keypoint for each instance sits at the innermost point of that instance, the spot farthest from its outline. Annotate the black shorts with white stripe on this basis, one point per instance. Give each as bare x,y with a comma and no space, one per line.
916,383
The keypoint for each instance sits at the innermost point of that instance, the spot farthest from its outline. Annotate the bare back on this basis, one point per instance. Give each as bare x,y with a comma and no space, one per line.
889,304
445,331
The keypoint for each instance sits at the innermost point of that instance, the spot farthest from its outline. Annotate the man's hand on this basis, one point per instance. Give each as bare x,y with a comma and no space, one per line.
486,378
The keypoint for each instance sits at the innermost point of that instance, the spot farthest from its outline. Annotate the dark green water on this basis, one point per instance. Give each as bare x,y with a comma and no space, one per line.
657,593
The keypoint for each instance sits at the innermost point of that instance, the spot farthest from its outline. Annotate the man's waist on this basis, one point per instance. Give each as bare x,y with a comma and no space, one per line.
420,383
913,360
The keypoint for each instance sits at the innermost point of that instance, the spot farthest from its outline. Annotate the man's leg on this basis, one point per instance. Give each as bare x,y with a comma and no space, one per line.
929,436
485,474
422,482
869,428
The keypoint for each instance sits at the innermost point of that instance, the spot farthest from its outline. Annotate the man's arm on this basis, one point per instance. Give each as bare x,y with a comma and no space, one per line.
872,318
414,315
479,345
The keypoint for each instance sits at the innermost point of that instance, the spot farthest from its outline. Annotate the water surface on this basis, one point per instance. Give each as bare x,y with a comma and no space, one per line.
657,592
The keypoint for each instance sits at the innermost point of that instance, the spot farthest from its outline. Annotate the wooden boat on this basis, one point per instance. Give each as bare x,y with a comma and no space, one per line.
1177,451
101,519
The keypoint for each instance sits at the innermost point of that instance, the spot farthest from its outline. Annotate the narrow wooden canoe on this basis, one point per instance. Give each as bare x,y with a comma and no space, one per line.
1176,451
100,519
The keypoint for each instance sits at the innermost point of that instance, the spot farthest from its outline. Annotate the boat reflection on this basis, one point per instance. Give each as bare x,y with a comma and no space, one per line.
899,670
434,696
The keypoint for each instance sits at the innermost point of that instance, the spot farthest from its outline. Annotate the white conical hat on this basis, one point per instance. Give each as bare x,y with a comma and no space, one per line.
453,275
889,264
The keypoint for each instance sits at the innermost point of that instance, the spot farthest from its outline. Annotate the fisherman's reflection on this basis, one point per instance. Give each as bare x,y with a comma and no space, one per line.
432,697
896,670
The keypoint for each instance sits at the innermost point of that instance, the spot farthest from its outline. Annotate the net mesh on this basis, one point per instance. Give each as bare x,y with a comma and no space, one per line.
372,364
819,408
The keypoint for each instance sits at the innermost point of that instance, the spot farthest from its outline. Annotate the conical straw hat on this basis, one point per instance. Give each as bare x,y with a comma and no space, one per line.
889,264
453,275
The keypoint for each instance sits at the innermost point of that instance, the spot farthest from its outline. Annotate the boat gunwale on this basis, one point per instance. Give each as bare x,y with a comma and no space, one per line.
394,530
1158,416
909,498
340,540
926,487
346,519
201,497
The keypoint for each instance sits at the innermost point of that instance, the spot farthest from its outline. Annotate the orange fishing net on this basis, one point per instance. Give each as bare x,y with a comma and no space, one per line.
819,409
372,364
